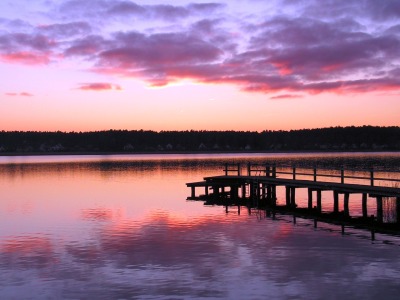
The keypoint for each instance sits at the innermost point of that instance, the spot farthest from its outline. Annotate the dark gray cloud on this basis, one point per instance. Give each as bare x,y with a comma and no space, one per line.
124,8
375,10
66,29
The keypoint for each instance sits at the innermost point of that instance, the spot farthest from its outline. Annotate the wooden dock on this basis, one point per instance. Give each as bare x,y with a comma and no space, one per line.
258,188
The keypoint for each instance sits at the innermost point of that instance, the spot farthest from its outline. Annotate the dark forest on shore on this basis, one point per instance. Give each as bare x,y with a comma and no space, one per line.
365,138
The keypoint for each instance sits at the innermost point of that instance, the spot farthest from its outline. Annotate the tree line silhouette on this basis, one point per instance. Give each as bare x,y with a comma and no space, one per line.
365,138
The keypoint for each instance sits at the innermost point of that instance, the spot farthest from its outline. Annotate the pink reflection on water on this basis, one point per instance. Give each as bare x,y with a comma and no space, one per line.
119,229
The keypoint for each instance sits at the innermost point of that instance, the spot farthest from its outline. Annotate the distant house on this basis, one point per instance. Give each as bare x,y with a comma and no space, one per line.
169,147
202,147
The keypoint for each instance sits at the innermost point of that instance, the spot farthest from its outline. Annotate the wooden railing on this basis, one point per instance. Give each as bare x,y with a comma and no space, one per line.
273,170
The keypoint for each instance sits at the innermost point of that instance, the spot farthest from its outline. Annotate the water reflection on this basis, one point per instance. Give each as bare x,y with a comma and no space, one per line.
118,230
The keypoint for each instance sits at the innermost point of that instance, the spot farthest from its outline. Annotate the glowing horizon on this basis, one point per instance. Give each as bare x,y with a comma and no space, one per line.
196,65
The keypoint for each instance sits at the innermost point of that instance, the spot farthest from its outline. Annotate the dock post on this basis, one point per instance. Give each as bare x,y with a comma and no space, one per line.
226,169
273,195
206,190
274,171
269,195
379,209
341,175
248,169
193,191
319,202
335,202
294,173
346,204
267,171
310,202
315,174
372,177
364,205
293,197
251,187
244,190
398,209
234,192
216,190
372,227
287,196
263,190
238,166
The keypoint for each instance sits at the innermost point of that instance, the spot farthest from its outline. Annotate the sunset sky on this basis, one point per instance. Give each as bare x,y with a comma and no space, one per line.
79,65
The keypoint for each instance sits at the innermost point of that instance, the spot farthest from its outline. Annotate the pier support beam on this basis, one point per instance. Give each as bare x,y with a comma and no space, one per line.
335,202
269,195
263,189
287,196
251,185
310,202
193,191
319,201
244,191
293,197
398,209
346,204
215,190
234,192
274,193
364,205
379,209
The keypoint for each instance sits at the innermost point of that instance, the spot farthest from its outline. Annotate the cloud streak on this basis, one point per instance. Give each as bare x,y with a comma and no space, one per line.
23,94
98,86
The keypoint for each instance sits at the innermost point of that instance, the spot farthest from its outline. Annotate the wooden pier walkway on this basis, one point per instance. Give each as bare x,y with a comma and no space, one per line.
260,183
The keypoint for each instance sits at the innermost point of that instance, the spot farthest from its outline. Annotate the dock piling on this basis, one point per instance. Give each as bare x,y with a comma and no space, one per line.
310,199
364,205
335,202
319,201
346,204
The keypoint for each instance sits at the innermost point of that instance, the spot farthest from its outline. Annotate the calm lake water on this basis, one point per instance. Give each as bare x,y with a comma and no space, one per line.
119,227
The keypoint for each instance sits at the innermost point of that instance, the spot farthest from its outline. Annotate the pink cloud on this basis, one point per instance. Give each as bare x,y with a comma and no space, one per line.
286,96
98,86
27,58
23,94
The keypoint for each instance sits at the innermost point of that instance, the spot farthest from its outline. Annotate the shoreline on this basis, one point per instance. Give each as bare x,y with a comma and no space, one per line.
98,153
